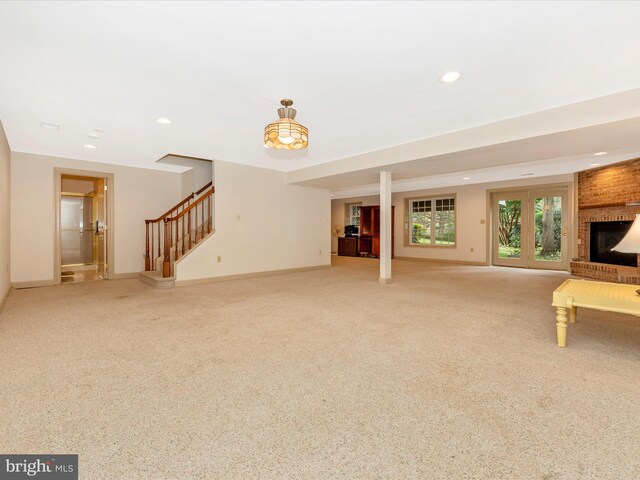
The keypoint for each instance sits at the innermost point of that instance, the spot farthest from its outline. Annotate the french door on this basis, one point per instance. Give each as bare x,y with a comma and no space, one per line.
529,229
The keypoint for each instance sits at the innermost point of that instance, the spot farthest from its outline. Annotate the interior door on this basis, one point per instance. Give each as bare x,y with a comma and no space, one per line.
100,231
548,229
509,233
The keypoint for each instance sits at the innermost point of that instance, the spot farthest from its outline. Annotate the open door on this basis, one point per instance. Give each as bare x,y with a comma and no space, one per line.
84,207
101,228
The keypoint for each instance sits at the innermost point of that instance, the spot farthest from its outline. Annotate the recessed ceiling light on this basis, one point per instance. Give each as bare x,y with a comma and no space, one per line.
594,165
95,133
49,126
163,121
466,178
597,154
89,146
450,77
526,174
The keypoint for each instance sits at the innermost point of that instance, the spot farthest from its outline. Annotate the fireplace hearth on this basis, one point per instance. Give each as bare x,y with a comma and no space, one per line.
606,235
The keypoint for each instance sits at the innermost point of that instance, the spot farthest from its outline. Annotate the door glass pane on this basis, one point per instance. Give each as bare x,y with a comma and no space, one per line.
548,229
509,228
70,230
76,234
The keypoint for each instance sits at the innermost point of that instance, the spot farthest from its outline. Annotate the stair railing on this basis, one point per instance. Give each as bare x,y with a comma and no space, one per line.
155,230
183,231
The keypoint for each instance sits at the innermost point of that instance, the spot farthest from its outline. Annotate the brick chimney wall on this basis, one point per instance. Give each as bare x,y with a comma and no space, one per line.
602,195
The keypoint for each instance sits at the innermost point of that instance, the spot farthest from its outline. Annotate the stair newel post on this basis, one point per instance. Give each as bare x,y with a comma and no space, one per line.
189,223
147,263
210,214
166,265
182,236
195,223
177,254
202,217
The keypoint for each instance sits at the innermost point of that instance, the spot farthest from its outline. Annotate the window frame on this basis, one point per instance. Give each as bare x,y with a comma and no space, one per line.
347,213
408,210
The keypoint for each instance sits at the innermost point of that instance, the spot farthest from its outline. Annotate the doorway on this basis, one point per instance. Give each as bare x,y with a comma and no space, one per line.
82,247
530,228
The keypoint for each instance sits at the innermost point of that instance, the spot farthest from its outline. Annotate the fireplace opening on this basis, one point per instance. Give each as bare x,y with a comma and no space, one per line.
605,236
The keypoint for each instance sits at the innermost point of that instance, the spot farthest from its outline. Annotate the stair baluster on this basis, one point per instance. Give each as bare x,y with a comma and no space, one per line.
172,229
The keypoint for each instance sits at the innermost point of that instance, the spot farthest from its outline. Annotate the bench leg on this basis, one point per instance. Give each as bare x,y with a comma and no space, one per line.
573,314
561,326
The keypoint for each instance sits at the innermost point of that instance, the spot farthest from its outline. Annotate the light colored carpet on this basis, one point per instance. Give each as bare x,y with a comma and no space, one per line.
450,372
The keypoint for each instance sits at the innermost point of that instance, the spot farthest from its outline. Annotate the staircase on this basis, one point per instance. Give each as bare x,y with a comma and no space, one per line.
174,234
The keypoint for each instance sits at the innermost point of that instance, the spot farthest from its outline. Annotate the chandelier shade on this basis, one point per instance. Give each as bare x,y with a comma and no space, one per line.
286,133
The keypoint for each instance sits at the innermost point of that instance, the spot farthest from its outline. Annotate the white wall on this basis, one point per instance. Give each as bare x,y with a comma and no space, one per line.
75,185
261,224
471,210
202,173
187,183
198,175
5,209
138,194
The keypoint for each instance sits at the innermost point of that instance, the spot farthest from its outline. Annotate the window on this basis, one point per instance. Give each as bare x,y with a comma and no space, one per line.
432,221
352,214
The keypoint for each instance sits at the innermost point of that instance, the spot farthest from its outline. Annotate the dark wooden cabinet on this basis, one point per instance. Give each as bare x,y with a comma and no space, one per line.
348,246
370,230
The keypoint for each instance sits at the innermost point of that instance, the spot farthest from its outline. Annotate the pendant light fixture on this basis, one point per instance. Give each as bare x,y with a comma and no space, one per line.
286,133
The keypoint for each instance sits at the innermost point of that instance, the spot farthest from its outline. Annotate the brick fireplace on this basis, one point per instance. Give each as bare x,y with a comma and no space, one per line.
605,195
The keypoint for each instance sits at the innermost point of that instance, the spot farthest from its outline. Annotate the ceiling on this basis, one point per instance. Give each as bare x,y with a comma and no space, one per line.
363,77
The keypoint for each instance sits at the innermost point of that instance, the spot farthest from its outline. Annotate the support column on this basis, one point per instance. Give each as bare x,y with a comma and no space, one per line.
385,227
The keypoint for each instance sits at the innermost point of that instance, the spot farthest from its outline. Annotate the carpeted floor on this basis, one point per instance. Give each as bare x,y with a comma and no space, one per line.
450,372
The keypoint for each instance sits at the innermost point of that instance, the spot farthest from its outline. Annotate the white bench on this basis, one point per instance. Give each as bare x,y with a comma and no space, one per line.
607,297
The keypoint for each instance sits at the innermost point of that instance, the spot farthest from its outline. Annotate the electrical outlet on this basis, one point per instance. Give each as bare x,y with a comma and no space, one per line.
471,249
219,259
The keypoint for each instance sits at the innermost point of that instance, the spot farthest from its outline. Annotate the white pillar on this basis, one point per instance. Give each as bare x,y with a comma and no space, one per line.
385,227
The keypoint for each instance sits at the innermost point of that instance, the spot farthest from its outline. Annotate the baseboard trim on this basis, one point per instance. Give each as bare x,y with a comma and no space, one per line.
440,260
240,276
33,284
4,298
123,276
49,283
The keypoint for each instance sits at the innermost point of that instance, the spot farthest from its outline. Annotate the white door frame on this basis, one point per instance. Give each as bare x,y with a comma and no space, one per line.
109,230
